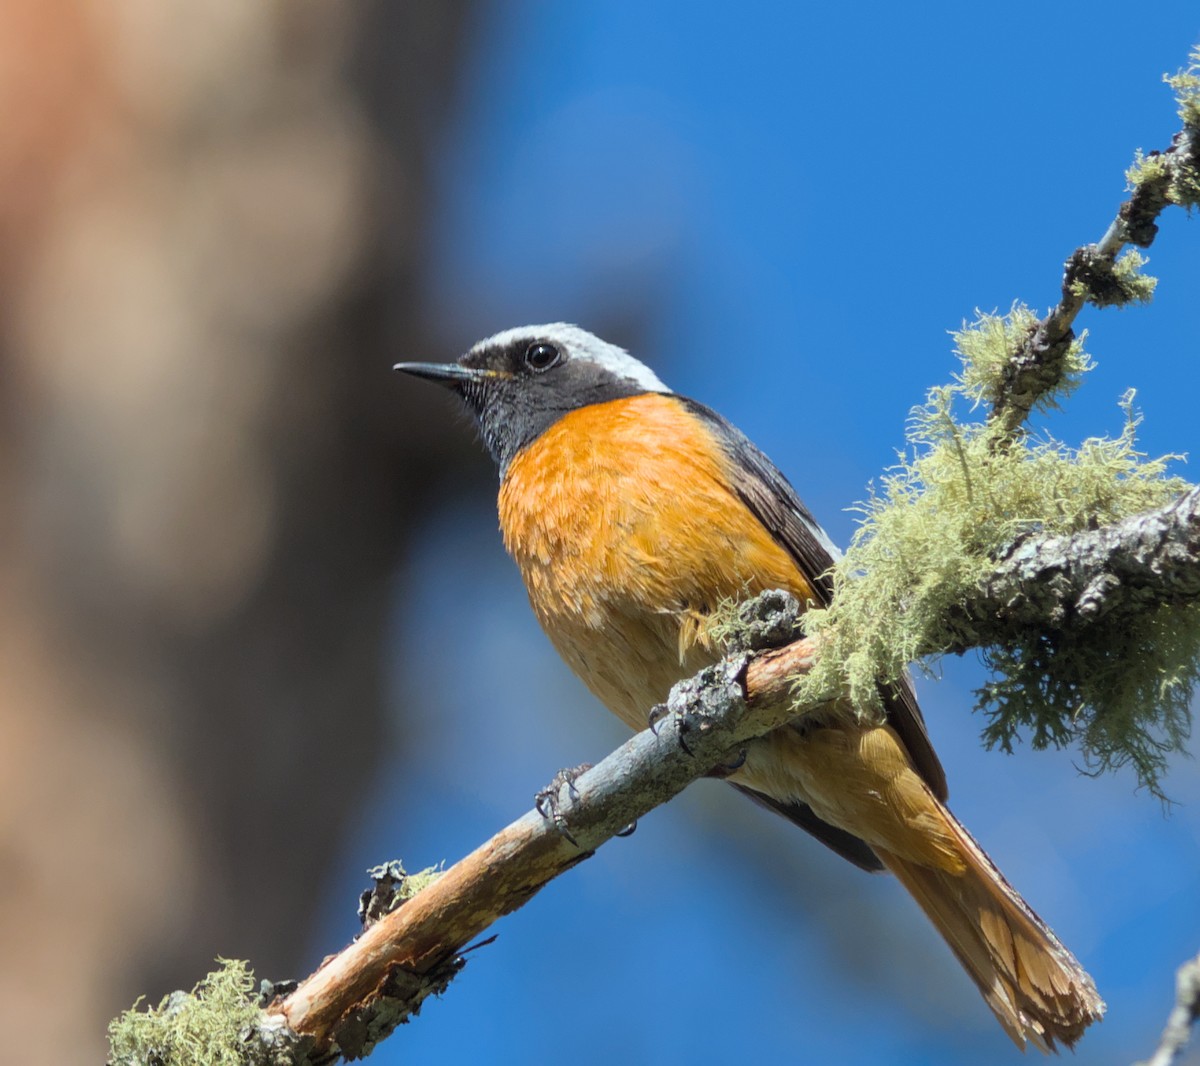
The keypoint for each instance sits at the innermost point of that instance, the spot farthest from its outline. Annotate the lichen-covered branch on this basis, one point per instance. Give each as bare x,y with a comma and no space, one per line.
1093,639
1183,1016
1061,583
1099,647
1094,273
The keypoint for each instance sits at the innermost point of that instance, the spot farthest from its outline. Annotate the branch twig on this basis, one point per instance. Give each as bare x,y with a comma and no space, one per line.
1182,1017
1039,366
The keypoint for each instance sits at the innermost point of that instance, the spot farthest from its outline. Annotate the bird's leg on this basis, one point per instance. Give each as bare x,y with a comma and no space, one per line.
657,713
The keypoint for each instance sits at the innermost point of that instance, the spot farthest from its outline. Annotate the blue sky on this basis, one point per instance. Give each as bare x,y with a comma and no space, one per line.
784,210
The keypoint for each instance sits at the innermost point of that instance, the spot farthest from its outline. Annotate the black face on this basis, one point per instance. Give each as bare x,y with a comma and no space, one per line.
519,389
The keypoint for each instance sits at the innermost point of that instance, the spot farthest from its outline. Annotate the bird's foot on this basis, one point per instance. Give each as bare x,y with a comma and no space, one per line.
661,711
546,801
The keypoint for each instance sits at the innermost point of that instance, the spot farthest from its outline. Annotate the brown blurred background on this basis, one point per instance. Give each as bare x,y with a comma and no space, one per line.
207,258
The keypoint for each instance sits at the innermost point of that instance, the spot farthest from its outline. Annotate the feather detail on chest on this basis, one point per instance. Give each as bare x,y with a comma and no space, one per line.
627,536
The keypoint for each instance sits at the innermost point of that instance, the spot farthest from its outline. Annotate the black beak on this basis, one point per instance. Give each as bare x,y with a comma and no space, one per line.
451,375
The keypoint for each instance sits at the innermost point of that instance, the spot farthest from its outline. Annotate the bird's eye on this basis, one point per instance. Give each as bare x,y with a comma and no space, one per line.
542,356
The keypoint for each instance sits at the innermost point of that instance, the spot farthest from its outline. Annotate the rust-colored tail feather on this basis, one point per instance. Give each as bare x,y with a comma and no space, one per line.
1035,986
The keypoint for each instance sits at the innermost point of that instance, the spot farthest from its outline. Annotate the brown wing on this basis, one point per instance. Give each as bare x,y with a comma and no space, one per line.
777,506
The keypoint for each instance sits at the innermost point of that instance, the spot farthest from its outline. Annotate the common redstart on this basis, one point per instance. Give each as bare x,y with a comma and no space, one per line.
632,513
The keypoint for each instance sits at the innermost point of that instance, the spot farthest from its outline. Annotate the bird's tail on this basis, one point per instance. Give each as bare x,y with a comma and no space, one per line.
1035,986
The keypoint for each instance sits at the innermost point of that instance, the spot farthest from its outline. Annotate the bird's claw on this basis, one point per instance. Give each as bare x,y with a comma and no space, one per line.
684,728
727,769
546,801
655,718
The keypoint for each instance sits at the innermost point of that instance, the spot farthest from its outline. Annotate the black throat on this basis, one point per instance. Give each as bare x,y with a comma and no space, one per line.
512,412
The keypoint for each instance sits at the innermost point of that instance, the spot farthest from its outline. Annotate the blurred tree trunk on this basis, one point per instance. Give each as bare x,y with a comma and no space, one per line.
206,212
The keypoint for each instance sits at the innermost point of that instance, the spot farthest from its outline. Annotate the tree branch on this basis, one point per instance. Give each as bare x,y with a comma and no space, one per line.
710,717
1182,1018
1040,364
1069,582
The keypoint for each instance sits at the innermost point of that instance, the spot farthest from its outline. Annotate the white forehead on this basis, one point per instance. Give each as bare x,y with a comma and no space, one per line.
580,344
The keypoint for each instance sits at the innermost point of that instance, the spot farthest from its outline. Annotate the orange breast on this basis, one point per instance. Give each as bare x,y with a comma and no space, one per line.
627,535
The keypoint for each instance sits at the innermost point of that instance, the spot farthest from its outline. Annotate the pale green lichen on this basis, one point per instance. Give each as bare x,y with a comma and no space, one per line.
1151,169
1175,175
985,349
962,493
422,879
1186,84
206,1027
768,620
1118,283
1132,286
393,887
1124,692
221,1021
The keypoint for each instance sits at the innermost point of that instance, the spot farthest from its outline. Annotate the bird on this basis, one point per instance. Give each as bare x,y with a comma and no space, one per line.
633,513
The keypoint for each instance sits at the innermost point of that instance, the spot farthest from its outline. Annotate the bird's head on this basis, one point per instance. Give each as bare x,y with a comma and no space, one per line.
520,382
